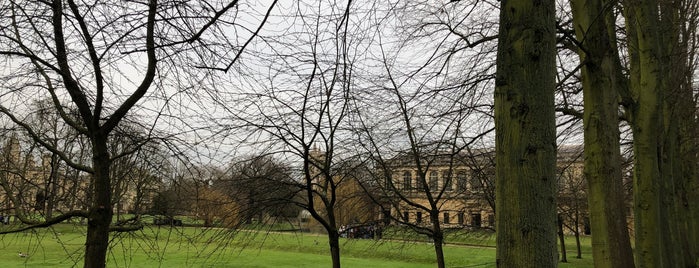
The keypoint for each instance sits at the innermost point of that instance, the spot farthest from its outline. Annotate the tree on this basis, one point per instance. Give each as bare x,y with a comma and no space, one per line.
572,194
299,106
658,84
525,135
407,186
262,186
215,208
422,115
78,55
429,177
595,31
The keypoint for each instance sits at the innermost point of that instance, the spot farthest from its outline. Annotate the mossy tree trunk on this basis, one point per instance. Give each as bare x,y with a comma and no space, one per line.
594,29
663,123
678,30
645,117
525,135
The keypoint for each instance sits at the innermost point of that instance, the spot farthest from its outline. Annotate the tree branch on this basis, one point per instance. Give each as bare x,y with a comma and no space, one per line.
48,222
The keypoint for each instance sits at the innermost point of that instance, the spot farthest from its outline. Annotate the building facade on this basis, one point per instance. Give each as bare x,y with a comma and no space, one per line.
463,189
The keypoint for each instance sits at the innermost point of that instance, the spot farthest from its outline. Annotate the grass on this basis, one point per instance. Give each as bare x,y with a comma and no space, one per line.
62,246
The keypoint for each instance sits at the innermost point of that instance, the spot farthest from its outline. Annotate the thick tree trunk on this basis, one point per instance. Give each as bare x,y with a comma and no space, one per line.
612,247
659,68
673,70
679,112
100,215
690,183
686,215
525,135
674,248
646,121
647,183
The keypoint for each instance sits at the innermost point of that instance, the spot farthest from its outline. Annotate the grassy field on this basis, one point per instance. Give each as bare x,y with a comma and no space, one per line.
196,247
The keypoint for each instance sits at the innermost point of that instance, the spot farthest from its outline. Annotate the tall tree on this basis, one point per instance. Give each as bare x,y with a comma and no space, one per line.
679,147
525,133
594,23
659,64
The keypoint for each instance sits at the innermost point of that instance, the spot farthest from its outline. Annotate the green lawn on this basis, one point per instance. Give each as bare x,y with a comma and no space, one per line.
196,247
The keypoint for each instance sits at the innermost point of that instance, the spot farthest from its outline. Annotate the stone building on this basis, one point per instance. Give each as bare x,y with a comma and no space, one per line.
463,185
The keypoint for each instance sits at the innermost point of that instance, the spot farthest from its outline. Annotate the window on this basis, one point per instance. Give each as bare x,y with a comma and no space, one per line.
407,180
461,181
446,217
386,216
446,180
419,217
476,184
476,219
433,181
460,218
406,216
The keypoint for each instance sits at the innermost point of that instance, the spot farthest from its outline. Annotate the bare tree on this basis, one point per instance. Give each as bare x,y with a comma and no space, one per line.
422,118
101,60
296,110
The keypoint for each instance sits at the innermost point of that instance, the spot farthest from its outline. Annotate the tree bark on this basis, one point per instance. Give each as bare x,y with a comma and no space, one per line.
437,238
645,118
100,213
678,161
334,240
525,135
594,24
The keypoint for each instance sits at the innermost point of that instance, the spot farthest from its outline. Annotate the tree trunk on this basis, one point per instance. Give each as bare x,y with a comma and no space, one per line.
100,215
645,124
669,170
561,239
437,238
334,240
593,22
690,182
646,121
679,112
576,229
577,245
525,135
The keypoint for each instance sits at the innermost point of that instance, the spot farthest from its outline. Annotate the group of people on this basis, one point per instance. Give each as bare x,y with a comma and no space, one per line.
367,231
